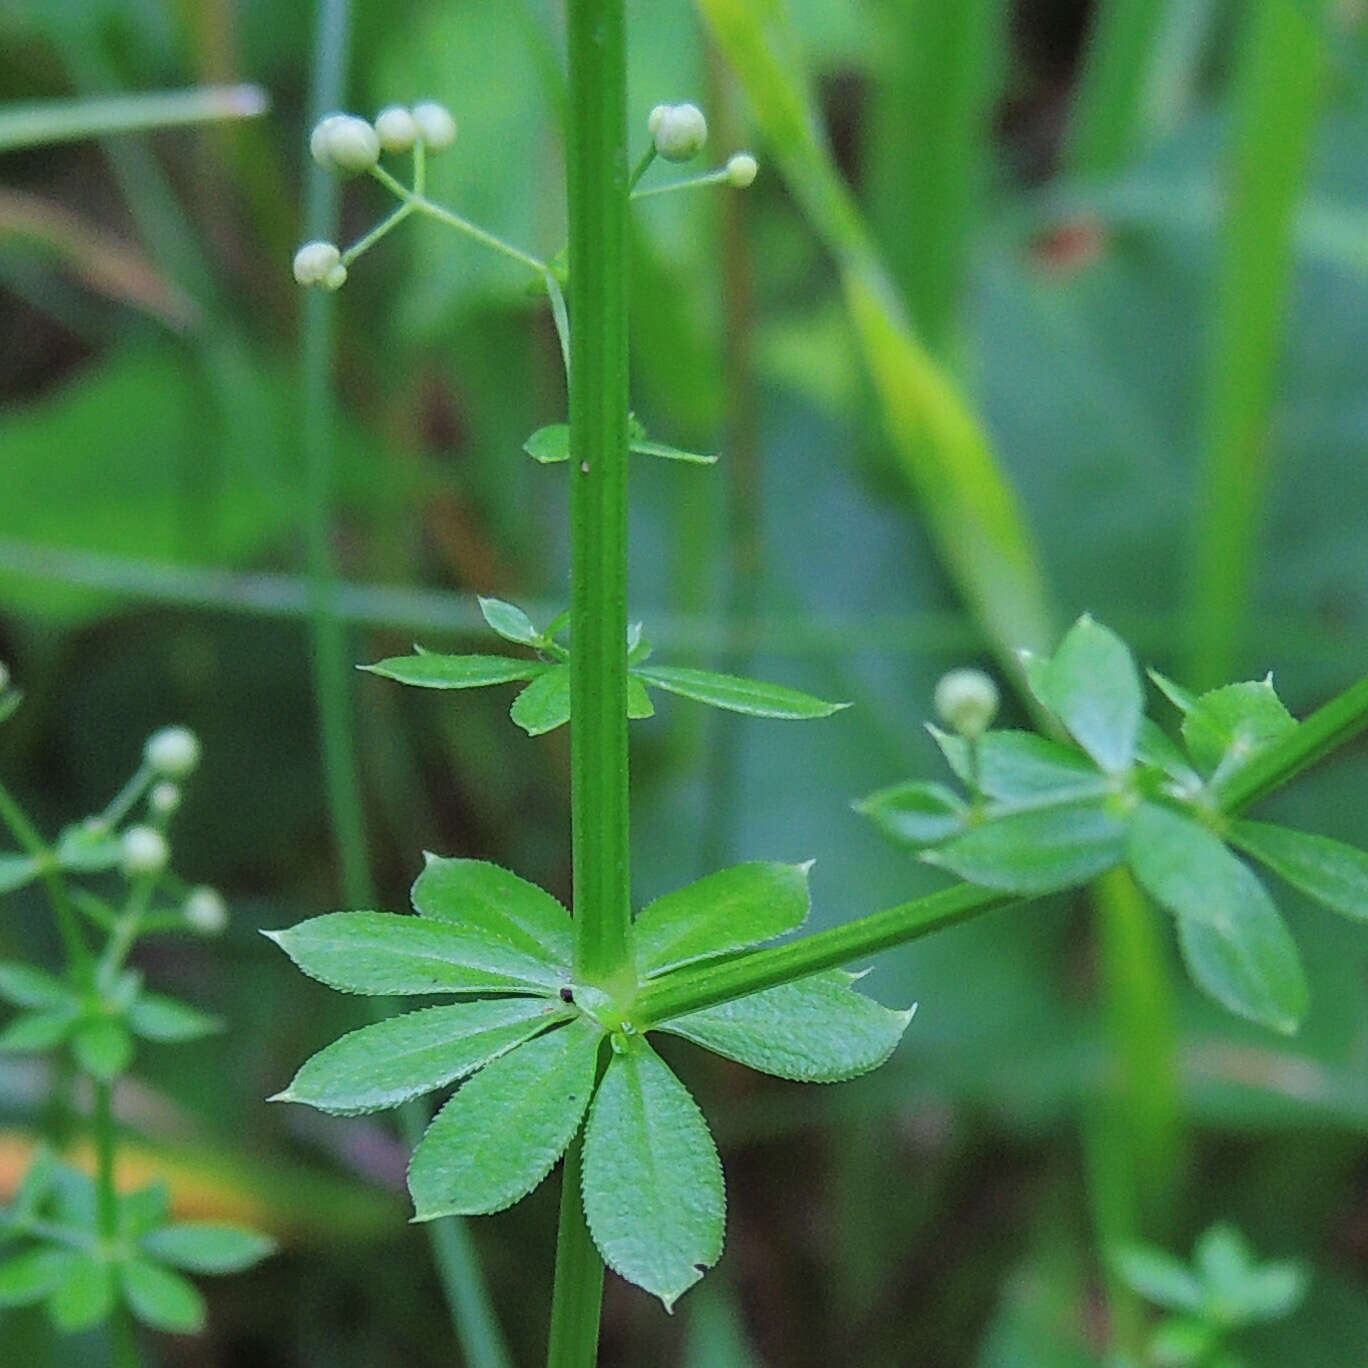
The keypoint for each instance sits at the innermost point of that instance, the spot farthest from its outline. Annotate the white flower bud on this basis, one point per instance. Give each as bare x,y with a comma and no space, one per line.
314,260
172,752
335,278
396,128
164,799
742,170
679,131
318,140
436,127
205,911
967,701
144,851
348,143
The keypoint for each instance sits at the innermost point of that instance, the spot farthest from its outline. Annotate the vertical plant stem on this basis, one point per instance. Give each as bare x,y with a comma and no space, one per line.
28,836
579,1277
123,1344
1276,97
1118,62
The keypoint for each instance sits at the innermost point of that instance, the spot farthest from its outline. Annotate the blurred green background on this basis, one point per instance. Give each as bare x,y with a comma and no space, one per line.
1136,235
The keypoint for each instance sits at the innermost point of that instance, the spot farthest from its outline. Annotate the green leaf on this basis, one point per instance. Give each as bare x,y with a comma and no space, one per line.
206,1247
1015,766
1092,686
549,444
645,447
86,1296
639,703
723,912
545,704
386,1064
1158,1277
25,986
383,953
35,1274
88,849
1234,942
735,694
35,1031
510,622
485,898
162,1299
1228,726
1185,1342
103,1048
155,1017
915,814
1156,749
814,1030
504,1130
1182,699
1273,1291
42,1176
1036,850
144,1209
430,671
1223,1258
653,1192
1329,871
16,870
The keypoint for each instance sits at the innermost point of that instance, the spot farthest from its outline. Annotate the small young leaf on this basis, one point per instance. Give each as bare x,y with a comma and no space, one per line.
16,871
103,1048
35,1031
162,1299
382,953
653,1192
144,1209
40,1179
35,1274
735,694
1093,687
646,447
549,444
1036,850
545,704
1329,871
504,1130
429,671
25,986
1230,725
638,647
1015,766
205,1247
814,1030
88,849
723,912
1158,1277
915,814
85,1297
1182,699
478,896
1223,1259
386,1064
1156,749
1273,1291
1235,944
155,1017
510,622
639,703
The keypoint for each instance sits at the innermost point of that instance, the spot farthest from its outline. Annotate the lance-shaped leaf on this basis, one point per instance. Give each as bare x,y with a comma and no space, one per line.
1235,944
1227,726
814,1030
1036,850
749,696
1014,766
1092,685
1329,871
550,445
504,1130
382,953
207,1247
433,671
16,871
545,704
162,1299
155,1017
1158,1277
1155,748
35,1031
510,622
25,986
86,1296
639,703
386,1064
35,1274
916,814
484,897
723,912
653,1192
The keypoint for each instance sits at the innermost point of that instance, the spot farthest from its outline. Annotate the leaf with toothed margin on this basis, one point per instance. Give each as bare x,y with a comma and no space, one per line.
406,1056
1016,766
483,897
428,670
652,1181
545,704
1227,727
1333,873
814,1030
915,814
382,953
723,912
504,1130
1182,699
752,697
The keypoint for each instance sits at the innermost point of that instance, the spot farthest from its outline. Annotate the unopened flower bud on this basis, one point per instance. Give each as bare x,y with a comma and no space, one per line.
679,131
164,799
172,752
742,170
144,851
343,142
314,261
967,701
318,140
396,128
205,911
335,278
436,127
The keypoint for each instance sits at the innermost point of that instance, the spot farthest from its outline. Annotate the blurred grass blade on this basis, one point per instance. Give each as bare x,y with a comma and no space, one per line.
1277,91
39,122
941,449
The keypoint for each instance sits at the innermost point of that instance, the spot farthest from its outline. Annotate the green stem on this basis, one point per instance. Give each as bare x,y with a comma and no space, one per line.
123,1344
28,836
1278,89
575,1304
